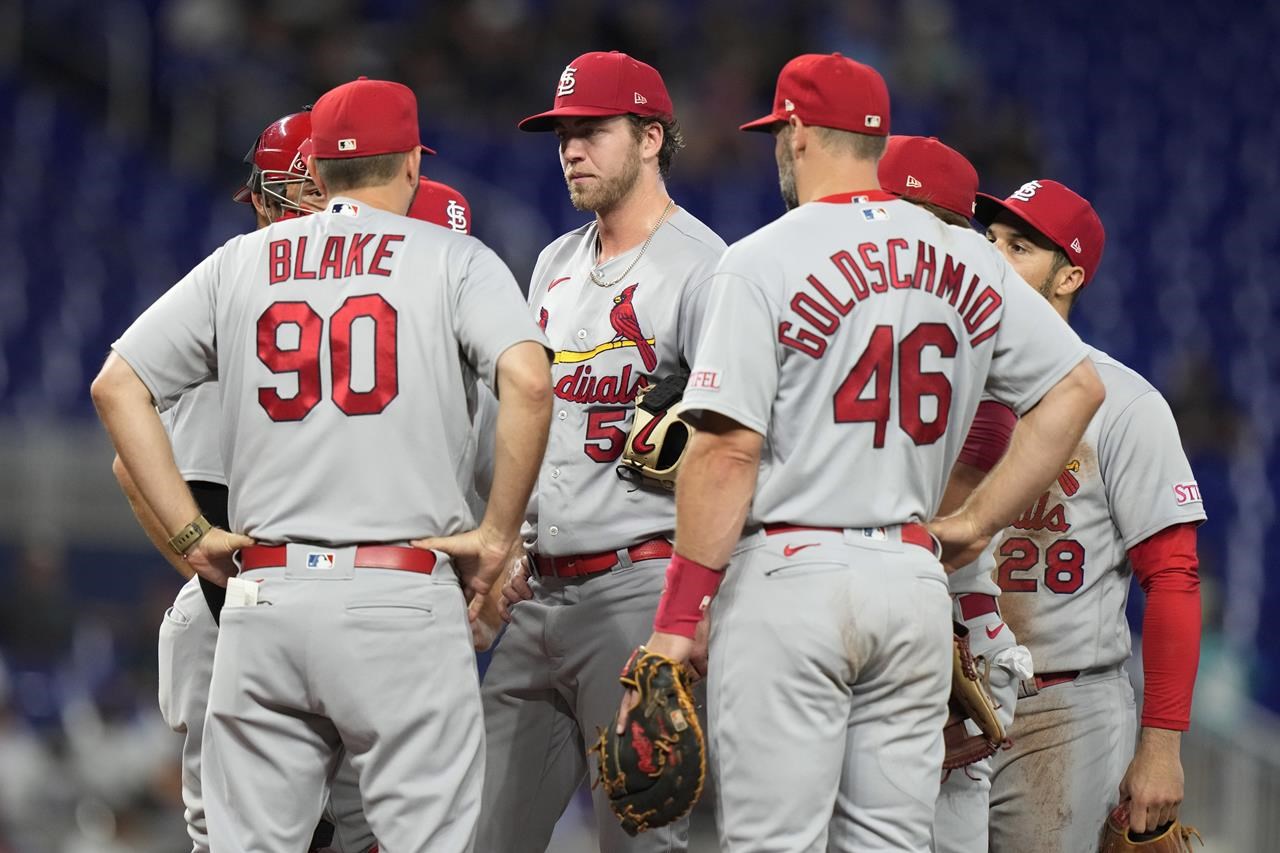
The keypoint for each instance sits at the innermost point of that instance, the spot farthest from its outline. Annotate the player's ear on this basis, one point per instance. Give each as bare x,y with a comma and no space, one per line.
652,140
413,163
799,136
1070,280
315,176
260,208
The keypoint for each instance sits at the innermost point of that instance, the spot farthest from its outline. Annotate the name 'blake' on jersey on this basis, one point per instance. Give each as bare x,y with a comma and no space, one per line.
347,344
887,326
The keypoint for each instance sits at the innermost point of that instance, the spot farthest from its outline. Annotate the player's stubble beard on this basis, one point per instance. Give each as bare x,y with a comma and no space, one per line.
604,194
787,177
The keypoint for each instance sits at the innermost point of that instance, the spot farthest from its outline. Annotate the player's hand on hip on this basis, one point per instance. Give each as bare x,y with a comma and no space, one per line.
673,646
486,621
961,540
1153,784
479,557
516,588
211,557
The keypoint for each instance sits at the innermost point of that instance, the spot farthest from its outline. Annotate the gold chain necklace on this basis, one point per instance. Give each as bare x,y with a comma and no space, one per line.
595,277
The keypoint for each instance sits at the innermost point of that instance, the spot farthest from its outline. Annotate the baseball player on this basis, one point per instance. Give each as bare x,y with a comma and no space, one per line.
940,179
621,301
342,342
277,183
845,349
1124,504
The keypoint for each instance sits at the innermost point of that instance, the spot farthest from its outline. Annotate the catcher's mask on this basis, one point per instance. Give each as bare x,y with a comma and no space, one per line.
277,166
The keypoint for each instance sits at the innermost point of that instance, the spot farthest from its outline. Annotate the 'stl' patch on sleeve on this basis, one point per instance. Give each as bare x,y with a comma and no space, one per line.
1186,493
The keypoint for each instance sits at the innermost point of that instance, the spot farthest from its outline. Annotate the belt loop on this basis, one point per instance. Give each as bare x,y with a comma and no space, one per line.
624,560
1027,688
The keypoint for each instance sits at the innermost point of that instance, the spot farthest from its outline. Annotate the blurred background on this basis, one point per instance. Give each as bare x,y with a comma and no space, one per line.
124,124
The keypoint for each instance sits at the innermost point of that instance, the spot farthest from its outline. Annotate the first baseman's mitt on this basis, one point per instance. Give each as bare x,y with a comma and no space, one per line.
970,700
658,438
1173,837
653,772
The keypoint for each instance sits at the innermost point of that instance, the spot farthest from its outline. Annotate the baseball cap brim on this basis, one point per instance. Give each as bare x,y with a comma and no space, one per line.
987,207
765,124
546,121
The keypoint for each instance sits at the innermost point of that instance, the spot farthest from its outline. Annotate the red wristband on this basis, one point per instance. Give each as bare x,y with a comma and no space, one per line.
686,597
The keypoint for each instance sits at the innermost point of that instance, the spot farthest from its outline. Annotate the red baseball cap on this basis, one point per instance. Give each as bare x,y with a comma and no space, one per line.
363,118
605,84
441,204
1065,217
829,90
923,169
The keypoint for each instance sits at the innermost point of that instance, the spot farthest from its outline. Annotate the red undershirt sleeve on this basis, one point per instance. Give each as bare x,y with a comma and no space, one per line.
1167,568
989,435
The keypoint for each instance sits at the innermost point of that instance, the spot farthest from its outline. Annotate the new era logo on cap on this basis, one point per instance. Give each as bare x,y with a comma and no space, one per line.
913,182
1075,245
641,99
788,105
346,145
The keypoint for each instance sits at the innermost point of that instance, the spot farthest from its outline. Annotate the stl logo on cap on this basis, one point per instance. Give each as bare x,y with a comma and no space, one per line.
567,82
1027,191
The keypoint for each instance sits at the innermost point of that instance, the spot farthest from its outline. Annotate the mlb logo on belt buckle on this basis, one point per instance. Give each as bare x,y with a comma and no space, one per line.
320,560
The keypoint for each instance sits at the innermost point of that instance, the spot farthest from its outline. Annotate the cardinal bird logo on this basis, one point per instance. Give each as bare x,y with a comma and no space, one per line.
624,321
1067,479
543,317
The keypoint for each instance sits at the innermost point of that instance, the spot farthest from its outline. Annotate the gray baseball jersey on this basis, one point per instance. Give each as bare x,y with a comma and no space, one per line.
1063,565
610,342
193,423
886,325
342,341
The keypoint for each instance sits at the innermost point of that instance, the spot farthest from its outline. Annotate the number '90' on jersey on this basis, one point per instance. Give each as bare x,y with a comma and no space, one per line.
857,334
346,344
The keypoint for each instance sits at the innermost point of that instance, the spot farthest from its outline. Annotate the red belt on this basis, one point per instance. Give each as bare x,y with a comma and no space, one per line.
367,557
912,533
580,565
975,604
1049,679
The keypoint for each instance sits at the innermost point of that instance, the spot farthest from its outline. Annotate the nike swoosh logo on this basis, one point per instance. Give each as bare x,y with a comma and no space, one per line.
792,550
552,285
641,443
991,635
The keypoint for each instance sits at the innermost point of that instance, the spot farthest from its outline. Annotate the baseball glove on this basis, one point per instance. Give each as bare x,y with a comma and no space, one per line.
970,700
658,438
1173,837
653,772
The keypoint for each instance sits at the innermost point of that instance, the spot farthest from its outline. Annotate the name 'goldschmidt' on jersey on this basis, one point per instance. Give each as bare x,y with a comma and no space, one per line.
888,324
